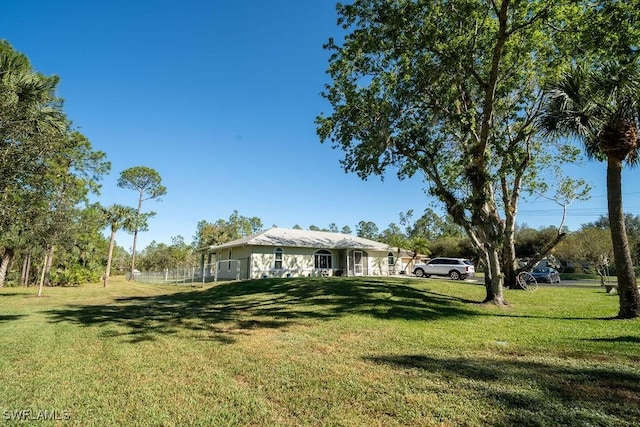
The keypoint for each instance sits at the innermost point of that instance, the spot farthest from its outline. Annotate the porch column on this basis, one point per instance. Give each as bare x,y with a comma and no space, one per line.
202,264
347,263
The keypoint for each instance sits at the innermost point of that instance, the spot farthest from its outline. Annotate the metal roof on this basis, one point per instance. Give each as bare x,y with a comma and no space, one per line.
287,237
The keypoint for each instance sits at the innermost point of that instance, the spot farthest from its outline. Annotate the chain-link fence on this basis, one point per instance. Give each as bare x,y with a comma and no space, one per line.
230,269
179,276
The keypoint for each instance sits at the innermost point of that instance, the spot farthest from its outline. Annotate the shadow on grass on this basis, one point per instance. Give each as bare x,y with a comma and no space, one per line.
625,338
229,309
535,393
9,317
11,294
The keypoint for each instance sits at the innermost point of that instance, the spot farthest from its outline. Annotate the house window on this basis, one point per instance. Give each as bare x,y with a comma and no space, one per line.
278,259
390,258
322,259
229,253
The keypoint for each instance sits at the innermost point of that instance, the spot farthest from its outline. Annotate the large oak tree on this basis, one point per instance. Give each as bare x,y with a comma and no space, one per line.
451,91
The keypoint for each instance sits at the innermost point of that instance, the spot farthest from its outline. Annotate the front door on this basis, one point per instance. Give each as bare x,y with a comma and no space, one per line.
357,263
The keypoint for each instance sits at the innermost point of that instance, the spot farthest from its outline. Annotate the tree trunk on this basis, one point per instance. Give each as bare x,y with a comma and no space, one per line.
627,288
48,265
112,240
509,268
5,260
26,266
44,269
491,229
494,284
135,239
510,201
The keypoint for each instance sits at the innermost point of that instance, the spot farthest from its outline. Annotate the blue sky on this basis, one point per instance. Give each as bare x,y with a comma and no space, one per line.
220,98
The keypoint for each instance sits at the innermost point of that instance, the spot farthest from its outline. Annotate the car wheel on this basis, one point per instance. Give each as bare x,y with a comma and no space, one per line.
454,274
419,272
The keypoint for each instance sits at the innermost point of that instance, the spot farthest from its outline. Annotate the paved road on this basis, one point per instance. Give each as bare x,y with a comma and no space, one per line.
595,284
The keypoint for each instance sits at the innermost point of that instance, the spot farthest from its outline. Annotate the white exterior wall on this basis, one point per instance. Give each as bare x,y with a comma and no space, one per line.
241,253
378,263
296,262
258,262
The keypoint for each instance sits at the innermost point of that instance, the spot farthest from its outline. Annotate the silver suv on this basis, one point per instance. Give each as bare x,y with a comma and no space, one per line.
456,268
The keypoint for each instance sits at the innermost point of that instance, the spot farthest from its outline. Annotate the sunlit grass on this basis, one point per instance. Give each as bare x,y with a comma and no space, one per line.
326,351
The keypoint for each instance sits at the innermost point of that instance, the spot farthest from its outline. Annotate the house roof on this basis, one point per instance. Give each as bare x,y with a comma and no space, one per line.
288,237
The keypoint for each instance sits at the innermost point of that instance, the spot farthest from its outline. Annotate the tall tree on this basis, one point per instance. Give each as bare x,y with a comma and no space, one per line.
32,128
451,90
591,246
72,173
46,169
222,231
530,242
80,251
632,227
600,105
367,230
117,217
159,256
147,182
394,237
244,226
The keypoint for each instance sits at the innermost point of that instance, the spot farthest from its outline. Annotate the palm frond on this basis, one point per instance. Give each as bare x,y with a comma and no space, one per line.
590,103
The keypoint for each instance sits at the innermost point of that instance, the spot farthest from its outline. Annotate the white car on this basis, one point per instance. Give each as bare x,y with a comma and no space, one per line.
455,268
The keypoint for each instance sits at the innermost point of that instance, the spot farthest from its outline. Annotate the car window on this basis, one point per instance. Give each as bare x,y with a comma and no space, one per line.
435,261
466,261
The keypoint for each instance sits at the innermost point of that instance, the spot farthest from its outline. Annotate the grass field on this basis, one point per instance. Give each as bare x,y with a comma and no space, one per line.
307,352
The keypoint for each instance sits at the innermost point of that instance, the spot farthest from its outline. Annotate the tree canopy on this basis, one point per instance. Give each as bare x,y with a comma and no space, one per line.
148,183
452,90
222,231
47,170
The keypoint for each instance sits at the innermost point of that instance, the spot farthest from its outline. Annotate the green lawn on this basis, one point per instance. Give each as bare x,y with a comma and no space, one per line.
308,352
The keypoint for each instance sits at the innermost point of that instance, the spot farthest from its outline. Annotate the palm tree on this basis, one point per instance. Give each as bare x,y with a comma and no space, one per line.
601,107
117,217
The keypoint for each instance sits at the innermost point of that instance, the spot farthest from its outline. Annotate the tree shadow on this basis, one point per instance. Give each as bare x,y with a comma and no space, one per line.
11,294
226,310
536,393
532,316
9,317
624,338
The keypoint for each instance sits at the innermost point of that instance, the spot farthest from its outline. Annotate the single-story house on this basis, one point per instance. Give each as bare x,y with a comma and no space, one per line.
283,252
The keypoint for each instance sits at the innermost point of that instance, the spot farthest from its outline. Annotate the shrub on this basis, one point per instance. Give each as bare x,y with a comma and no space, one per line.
73,276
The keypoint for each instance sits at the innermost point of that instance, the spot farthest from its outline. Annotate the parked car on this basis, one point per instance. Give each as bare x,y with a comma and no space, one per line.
455,268
546,274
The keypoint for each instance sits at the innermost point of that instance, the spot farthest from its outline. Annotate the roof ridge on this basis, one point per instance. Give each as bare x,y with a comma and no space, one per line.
293,237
